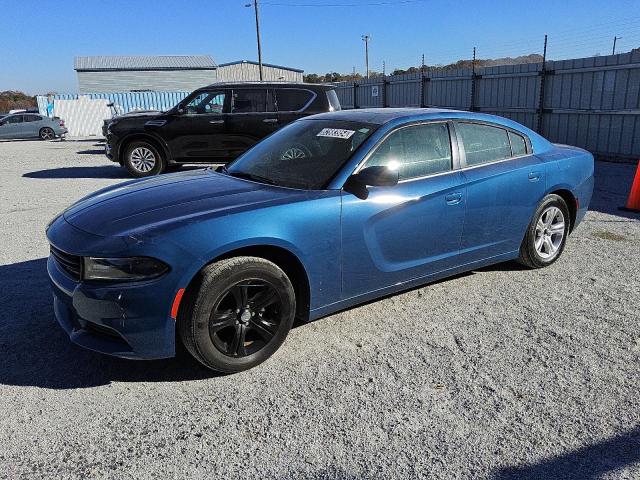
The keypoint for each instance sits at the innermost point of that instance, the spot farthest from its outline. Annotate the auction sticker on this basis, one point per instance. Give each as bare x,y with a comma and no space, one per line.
335,133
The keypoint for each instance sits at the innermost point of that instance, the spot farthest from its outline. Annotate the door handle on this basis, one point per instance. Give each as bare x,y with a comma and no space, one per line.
270,120
216,122
534,176
453,198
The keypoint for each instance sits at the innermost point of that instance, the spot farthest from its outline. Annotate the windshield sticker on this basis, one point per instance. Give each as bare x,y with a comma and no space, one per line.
335,133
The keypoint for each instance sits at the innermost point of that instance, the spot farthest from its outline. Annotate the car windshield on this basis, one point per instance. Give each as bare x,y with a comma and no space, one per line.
305,154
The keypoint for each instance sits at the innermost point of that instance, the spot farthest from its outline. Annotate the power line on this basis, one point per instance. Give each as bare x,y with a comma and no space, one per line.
367,4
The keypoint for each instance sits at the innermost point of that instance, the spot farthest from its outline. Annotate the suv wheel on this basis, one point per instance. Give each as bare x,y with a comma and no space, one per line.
238,314
142,159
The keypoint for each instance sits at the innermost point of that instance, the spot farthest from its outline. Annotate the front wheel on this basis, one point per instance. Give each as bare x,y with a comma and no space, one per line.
547,233
238,313
143,159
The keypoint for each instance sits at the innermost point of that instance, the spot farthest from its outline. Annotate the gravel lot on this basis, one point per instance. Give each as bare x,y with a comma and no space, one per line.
500,373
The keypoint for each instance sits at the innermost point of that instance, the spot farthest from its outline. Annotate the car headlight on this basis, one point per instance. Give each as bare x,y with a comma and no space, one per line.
122,269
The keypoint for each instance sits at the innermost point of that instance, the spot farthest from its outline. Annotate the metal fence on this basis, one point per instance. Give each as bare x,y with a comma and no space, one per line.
126,101
593,103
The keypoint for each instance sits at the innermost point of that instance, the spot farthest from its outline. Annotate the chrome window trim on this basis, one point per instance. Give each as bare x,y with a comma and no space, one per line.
454,150
314,95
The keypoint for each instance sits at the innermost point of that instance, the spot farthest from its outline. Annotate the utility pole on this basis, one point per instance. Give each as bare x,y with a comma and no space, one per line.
543,81
615,39
384,68
366,39
256,8
422,82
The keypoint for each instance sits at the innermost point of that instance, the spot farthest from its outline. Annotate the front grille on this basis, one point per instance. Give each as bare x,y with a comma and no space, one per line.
102,330
72,264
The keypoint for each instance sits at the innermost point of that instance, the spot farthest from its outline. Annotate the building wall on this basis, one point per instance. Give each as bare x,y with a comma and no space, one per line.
249,72
156,80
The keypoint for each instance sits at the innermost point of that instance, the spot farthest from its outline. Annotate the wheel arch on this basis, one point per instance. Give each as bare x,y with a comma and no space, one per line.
284,258
570,199
159,144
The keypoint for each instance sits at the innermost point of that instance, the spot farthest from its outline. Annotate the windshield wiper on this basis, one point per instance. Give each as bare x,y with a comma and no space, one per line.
250,176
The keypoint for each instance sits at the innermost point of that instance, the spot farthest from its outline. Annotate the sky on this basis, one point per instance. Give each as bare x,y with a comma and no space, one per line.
39,39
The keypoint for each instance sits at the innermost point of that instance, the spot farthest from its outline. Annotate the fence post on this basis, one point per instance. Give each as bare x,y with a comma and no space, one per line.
472,100
385,82
355,95
543,80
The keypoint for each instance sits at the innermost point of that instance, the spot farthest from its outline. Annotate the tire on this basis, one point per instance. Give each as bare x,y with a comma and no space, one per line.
46,133
547,233
229,339
142,159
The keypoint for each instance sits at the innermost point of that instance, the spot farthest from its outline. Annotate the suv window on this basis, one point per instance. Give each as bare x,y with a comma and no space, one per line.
249,101
206,102
518,145
32,118
292,100
415,151
483,143
14,119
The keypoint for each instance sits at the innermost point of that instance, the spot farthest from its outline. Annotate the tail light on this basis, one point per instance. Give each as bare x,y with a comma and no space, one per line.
62,123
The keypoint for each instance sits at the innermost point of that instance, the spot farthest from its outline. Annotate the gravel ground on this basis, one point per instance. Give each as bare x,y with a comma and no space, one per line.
500,373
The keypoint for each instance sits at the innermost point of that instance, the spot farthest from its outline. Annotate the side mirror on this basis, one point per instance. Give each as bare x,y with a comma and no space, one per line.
180,109
377,176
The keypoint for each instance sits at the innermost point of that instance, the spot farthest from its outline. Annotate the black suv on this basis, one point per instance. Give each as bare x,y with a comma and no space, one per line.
214,124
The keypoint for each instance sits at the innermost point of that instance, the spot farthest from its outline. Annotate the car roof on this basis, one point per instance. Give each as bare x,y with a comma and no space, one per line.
380,116
310,86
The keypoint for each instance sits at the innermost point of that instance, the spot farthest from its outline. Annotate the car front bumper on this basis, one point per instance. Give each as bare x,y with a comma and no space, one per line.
129,320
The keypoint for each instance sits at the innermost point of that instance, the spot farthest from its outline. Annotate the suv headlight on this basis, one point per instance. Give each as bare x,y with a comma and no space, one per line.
122,269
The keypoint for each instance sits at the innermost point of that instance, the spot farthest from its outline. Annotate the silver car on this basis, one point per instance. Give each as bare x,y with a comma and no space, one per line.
29,125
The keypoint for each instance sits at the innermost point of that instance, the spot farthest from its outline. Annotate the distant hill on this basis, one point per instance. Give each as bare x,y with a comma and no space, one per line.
339,77
11,100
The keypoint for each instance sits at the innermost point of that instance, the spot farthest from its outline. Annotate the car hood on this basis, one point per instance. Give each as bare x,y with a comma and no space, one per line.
142,206
138,113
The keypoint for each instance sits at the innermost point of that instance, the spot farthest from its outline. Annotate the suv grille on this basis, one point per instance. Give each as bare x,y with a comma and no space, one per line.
72,264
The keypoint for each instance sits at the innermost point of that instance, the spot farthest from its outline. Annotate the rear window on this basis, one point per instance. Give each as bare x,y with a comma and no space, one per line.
518,145
334,103
291,100
249,101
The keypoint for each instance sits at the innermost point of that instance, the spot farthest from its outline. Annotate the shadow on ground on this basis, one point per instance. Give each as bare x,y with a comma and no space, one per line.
102,171
35,351
611,190
91,151
587,463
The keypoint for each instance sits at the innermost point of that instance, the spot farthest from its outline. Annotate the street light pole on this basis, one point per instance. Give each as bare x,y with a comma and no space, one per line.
366,39
257,10
615,39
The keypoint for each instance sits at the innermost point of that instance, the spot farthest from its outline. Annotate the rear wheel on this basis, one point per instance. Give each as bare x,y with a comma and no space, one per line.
47,133
238,314
142,159
547,233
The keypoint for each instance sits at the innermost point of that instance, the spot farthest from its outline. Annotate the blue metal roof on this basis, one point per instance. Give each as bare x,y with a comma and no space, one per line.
144,62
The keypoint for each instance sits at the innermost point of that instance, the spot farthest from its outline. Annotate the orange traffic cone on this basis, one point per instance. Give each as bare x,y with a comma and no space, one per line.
633,204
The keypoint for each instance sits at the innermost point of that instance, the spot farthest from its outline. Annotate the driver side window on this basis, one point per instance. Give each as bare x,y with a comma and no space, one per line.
415,151
207,103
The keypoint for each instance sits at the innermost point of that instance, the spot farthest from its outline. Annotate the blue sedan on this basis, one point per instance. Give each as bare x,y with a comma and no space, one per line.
329,212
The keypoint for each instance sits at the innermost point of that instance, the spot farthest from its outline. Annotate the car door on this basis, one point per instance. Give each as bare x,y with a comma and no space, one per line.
252,117
291,103
395,234
11,127
31,125
199,133
505,182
